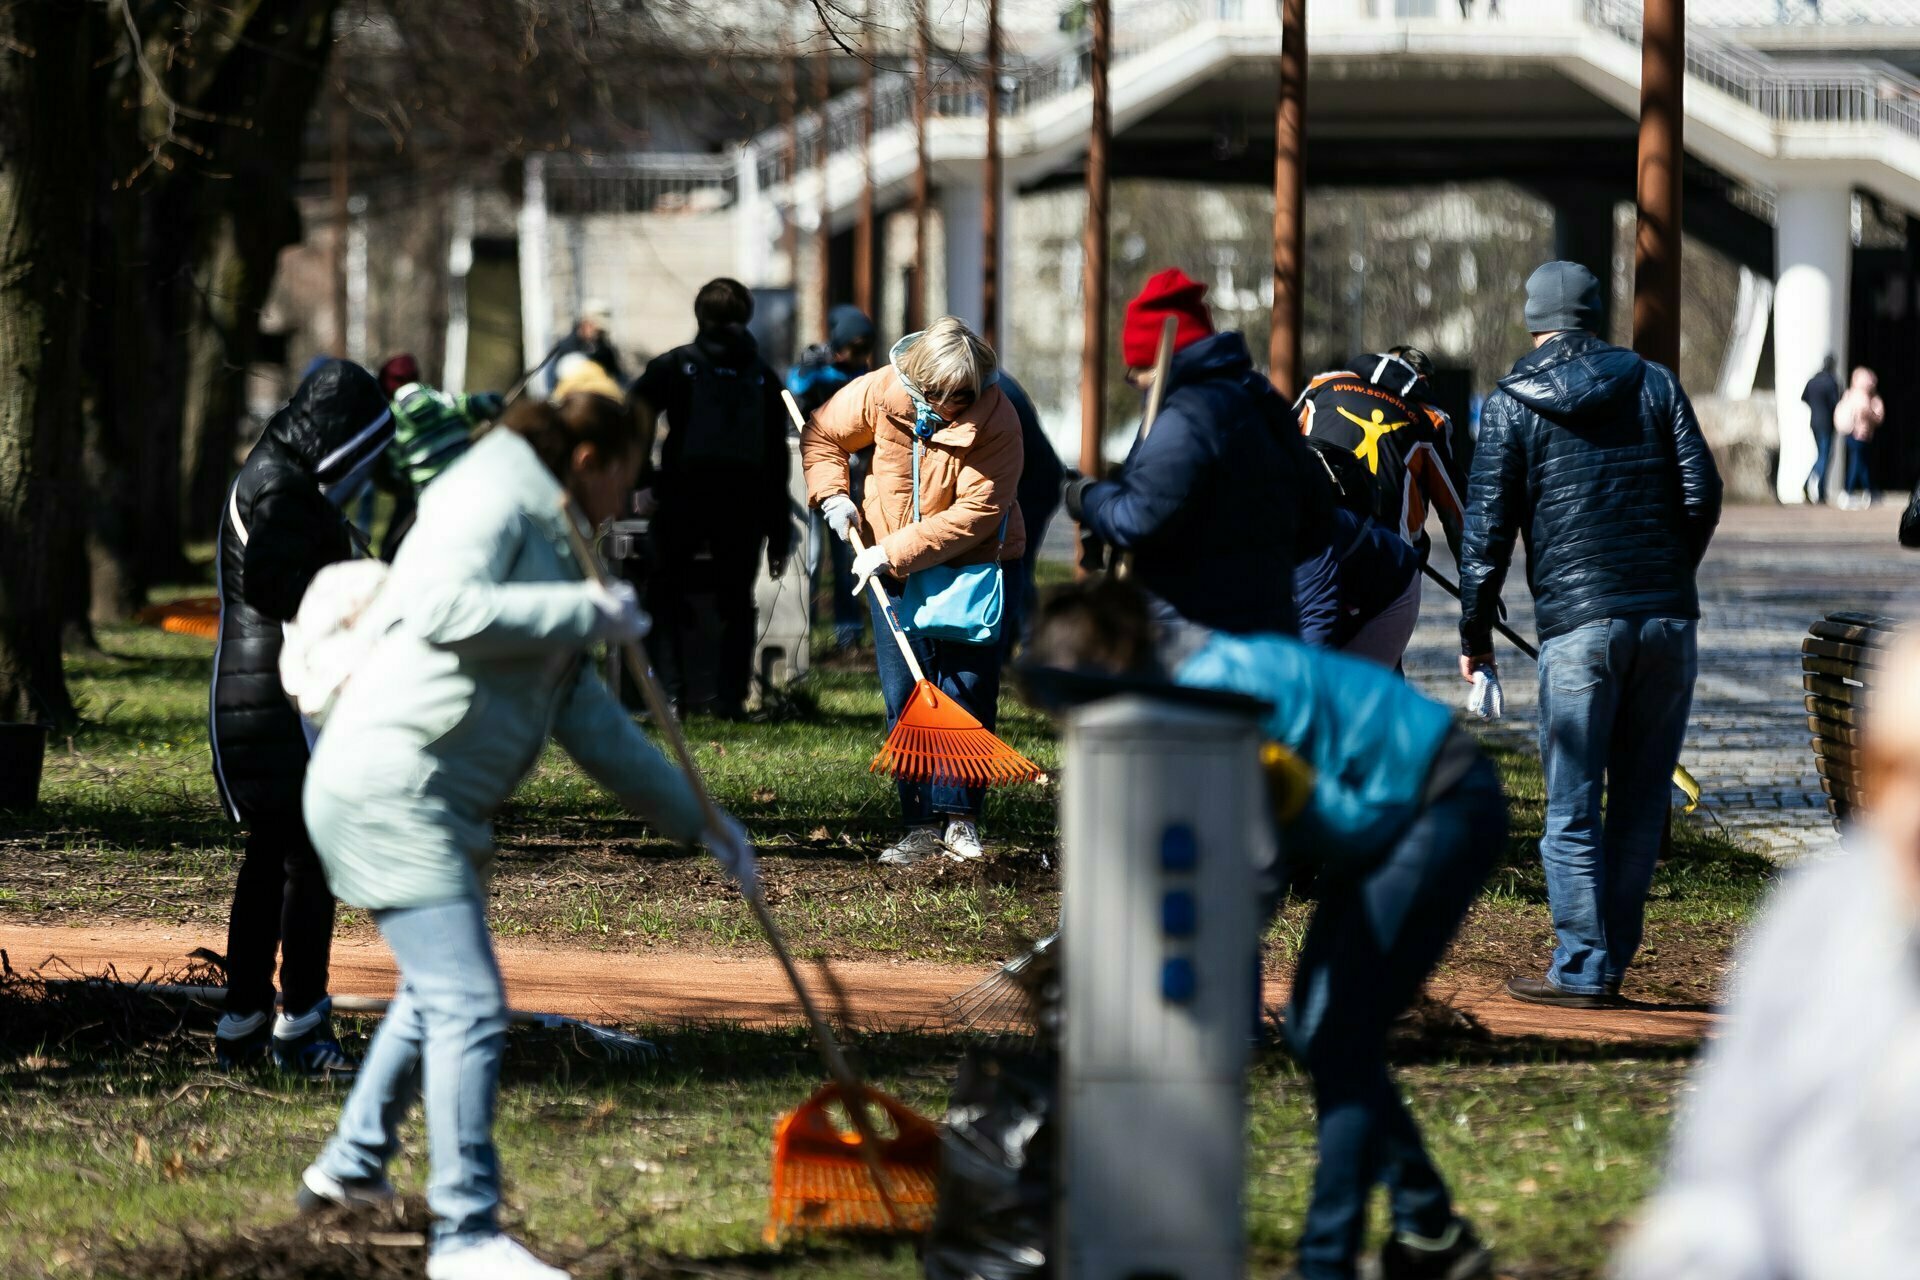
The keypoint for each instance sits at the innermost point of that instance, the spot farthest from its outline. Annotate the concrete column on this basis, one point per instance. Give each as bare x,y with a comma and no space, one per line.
453,369
751,244
1813,245
962,205
536,314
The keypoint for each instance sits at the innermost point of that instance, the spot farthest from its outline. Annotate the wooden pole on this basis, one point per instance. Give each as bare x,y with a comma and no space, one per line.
1093,348
1289,199
337,162
863,229
823,232
1656,269
922,177
790,147
990,197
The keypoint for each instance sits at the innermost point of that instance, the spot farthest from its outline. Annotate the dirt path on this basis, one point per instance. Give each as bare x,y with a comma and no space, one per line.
680,987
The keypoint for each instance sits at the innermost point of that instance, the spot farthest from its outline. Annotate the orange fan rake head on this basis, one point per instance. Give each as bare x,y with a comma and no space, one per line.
938,740
821,1183
194,616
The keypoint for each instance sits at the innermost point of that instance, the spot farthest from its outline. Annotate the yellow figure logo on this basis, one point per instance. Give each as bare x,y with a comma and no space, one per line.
1369,449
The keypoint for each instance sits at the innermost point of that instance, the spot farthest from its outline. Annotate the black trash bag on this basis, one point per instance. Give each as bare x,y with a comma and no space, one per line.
995,1216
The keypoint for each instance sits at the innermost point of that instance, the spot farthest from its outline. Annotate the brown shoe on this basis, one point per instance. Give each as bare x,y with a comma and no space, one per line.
1541,991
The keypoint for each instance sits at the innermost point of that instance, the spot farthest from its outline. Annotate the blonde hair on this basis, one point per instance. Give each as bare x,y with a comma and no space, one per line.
947,358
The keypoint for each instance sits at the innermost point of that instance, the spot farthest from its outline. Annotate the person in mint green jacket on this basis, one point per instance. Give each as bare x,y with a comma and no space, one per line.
476,650
1391,820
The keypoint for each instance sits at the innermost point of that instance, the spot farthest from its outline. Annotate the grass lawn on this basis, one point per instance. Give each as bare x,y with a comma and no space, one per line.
121,1155
133,1161
130,826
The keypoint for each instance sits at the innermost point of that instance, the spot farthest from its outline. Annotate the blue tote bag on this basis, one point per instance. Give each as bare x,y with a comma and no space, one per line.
962,604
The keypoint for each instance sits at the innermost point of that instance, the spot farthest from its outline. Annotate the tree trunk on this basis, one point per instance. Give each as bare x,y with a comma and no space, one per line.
44,199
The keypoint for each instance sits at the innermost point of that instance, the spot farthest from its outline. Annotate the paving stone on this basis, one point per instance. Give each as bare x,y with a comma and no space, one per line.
1770,573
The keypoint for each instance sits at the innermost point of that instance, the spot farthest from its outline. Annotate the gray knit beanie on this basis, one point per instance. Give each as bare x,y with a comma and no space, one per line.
1562,295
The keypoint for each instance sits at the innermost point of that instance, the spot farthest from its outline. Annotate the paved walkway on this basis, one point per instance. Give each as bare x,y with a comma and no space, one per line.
1771,571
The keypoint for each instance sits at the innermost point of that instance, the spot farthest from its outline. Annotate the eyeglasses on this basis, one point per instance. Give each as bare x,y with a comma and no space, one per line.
956,401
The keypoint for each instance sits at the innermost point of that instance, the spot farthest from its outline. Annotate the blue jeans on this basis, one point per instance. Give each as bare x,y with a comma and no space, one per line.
967,673
1369,949
1822,454
1614,697
447,1028
1859,474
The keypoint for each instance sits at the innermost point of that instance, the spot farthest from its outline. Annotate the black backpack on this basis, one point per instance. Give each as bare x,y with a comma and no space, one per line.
726,413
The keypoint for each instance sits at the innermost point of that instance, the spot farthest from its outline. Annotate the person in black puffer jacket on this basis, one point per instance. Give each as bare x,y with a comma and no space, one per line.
1594,456
1213,502
283,523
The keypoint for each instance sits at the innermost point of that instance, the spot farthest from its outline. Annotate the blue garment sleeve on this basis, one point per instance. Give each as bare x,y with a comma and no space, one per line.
1316,596
1163,475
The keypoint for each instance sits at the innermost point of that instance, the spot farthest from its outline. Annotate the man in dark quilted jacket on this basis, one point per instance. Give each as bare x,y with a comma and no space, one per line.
1594,456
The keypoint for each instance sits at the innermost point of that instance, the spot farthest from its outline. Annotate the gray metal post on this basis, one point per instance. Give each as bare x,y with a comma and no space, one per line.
1165,835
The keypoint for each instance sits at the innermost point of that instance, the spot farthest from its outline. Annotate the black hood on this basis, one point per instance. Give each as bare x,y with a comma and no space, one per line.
336,420
728,345
1577,377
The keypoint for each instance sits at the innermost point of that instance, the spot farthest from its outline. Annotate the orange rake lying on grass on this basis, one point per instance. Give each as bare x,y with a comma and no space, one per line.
194,616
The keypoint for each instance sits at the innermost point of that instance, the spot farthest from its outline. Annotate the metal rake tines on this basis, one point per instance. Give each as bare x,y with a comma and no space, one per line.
998,1001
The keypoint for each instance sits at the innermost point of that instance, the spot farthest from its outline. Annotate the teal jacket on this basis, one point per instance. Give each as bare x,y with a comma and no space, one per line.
1370,739
484,624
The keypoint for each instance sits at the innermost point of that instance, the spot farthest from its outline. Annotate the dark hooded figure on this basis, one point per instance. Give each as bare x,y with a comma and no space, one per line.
282,524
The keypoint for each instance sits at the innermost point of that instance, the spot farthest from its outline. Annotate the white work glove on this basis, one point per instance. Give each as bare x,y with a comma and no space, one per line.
734,852
621,618
1484,700
867,562
840,514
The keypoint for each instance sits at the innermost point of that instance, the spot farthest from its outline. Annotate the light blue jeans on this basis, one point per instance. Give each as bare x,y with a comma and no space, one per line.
1614,697
446,1029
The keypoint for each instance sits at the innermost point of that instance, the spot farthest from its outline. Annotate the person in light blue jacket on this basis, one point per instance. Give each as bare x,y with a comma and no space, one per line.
478,652
1391,821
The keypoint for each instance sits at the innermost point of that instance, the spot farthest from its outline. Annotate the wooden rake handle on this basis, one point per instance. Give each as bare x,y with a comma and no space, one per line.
879,591
852,1091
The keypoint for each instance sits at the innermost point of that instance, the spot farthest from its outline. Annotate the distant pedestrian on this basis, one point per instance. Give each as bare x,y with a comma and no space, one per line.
1214,502
1822,397
1793,1156
823,369
1595,455
430,430
590,338
1857,416
720,499
942,492
282,523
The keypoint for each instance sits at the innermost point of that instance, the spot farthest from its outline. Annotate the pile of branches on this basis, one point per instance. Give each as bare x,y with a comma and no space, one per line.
57,1014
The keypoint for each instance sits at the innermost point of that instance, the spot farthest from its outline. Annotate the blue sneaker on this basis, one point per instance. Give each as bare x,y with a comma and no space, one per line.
240,1039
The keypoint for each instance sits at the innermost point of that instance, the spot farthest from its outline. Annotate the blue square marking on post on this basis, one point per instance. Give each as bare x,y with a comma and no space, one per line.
1178,981
1179,848
1179,914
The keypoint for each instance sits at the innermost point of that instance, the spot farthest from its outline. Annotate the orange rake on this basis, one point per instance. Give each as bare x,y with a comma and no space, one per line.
936,739
194,616
821,1183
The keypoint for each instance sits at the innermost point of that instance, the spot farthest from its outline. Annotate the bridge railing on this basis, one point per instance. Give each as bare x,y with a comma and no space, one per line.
1812,92
958,93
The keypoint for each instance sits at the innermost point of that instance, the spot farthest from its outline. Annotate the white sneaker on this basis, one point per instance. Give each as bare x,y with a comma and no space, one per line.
918,843
498,1257
963,840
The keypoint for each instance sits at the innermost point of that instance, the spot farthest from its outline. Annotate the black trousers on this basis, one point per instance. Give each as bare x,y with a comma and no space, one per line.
701,599
280,903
